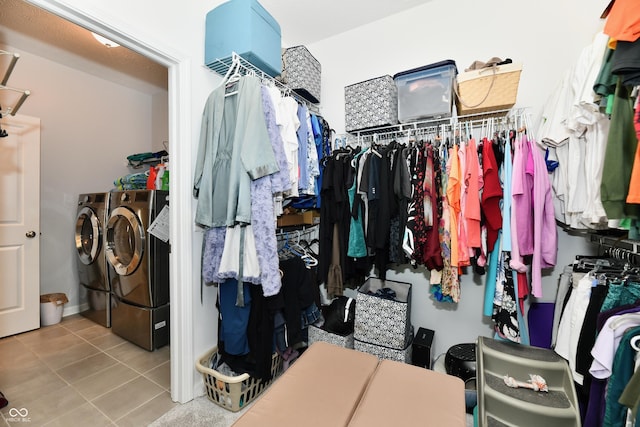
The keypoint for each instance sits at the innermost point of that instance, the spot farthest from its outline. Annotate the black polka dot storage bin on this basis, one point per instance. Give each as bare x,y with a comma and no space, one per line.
383,313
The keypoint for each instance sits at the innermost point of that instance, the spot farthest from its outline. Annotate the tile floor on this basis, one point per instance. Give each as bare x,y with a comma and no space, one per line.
78,373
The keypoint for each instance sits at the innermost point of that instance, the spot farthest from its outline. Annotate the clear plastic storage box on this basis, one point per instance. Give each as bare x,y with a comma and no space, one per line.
426,92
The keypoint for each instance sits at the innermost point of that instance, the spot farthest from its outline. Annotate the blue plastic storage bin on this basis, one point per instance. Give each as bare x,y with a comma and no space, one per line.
426,92
244,27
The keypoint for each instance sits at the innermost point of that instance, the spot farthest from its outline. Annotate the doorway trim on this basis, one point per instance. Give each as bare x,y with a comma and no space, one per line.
181,233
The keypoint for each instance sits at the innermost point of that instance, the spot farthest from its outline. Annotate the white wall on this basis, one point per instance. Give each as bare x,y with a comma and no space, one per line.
545,36
89,127
160,122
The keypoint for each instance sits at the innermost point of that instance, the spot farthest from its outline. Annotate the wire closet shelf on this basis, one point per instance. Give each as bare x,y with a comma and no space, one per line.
235,63
514,118
619,247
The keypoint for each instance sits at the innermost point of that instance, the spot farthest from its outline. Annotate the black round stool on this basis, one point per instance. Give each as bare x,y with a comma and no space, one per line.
460,361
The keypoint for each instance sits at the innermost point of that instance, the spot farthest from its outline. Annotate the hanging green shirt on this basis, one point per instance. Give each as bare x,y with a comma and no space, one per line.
234,149
619,157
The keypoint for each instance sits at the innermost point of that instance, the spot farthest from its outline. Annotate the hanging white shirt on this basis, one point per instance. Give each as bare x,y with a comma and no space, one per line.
290,139
571,324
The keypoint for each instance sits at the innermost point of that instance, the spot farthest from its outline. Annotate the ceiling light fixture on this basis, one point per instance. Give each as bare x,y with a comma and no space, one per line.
105,41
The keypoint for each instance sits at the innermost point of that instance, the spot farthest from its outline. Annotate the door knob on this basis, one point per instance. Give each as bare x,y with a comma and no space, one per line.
31,234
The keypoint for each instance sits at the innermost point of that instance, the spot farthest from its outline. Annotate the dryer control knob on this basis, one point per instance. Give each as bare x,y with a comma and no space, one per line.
124,197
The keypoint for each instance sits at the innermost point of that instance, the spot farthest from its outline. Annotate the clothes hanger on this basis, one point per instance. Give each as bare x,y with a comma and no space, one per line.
232,68
374,144
284,252
624,318
233,76
308,246
233,79
308,259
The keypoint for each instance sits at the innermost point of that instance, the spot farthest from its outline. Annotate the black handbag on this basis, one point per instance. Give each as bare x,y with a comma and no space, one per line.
339,315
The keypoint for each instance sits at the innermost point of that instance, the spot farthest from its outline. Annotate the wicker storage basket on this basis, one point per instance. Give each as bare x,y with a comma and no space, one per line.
233,393
488,89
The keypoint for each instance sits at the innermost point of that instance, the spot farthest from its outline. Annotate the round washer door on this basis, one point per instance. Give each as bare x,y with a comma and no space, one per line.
125,240
88,235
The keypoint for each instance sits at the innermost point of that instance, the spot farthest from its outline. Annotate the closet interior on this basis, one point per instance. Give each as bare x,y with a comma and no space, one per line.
445,199
370,222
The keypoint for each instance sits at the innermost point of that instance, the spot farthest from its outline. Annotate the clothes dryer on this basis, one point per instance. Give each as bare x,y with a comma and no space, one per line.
93,273
139,268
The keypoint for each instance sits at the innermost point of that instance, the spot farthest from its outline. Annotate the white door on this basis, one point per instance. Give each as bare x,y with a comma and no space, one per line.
19,225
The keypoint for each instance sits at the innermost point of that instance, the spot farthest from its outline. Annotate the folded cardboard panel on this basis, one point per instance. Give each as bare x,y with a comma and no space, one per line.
319,389
403,395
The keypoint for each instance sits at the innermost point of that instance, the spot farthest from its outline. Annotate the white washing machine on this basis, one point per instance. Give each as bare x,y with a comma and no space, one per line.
139,268
93,273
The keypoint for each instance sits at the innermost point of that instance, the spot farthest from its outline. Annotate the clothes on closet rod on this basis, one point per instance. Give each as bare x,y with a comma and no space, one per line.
630,396
587,128
299,243
250,334
600,305
243,178
232,170
434,197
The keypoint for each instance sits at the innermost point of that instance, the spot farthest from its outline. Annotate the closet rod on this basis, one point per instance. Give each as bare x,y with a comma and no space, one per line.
432,126
298,232
301,228
616,243
12,64
478,118
226,66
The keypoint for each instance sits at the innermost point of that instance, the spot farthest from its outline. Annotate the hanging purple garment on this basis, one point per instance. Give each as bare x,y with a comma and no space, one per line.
212,247
540,320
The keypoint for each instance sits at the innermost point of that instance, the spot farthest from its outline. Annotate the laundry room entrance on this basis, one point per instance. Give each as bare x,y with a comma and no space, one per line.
91,123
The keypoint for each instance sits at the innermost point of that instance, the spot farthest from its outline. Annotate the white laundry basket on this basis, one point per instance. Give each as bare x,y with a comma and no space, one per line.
51,306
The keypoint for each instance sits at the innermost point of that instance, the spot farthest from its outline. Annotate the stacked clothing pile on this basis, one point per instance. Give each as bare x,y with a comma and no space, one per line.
132,181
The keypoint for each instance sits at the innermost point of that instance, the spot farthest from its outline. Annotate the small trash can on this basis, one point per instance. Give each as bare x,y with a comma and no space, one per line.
51,306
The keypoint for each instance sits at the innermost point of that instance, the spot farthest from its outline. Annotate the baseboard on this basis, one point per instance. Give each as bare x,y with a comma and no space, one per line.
70,310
